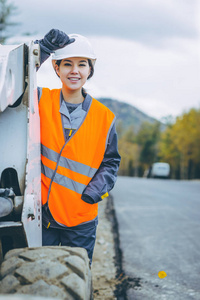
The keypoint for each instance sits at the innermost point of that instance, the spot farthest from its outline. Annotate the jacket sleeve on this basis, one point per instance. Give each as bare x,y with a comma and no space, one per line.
106,176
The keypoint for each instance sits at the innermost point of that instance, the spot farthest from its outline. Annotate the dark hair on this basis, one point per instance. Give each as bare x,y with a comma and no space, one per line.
58,62
92,68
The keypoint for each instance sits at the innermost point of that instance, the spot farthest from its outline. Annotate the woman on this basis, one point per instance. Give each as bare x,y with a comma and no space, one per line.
80,159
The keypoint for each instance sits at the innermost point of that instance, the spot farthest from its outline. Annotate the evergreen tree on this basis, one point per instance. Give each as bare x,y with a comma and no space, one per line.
7,10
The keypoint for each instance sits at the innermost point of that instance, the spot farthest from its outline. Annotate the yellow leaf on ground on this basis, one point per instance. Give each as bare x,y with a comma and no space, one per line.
162,274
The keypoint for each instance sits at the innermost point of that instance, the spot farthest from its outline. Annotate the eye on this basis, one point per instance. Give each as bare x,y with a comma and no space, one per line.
82,65
67,64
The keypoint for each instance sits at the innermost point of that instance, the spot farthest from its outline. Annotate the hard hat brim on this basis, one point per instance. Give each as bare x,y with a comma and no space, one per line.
81,47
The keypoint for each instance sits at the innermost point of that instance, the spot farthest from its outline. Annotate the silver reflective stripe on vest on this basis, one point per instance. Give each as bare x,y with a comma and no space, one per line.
77,167
46,171
68,163
63,180
48,153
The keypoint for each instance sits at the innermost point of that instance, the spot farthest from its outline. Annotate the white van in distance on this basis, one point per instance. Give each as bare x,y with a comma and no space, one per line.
160,170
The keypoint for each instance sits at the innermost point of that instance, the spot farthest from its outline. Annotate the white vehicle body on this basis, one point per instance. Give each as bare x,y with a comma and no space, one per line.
160,169
27,267
20,144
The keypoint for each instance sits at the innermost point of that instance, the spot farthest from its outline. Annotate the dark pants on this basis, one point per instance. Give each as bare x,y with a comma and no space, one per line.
81,237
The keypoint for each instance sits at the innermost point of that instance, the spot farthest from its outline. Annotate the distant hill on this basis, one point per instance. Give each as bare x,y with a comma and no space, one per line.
127,114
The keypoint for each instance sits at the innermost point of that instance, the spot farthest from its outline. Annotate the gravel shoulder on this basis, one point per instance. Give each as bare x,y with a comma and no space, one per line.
103,265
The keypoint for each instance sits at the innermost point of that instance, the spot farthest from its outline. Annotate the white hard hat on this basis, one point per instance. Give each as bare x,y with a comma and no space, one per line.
81,47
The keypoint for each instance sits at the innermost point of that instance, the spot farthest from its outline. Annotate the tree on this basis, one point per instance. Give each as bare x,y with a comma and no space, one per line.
180,145
169,152
140,150
147,139
187,139
7,10
128,150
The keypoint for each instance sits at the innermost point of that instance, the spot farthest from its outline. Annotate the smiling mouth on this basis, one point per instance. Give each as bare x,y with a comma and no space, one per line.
73,78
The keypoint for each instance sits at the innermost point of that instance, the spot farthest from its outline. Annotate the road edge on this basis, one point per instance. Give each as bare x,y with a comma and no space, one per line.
122,280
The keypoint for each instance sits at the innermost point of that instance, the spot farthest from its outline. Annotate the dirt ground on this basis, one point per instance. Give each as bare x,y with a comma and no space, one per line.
103,265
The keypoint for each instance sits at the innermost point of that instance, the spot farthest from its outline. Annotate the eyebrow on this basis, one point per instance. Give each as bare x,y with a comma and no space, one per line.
79,61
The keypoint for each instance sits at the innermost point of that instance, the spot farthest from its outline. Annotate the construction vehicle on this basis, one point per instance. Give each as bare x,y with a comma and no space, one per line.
27,267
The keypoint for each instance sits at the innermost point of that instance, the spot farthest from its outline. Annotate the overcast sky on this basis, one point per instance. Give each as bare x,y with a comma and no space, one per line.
148,50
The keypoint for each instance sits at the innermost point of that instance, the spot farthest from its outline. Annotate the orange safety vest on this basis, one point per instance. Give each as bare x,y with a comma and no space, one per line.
68,167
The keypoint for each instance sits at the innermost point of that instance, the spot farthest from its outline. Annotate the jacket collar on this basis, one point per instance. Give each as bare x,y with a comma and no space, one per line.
85,105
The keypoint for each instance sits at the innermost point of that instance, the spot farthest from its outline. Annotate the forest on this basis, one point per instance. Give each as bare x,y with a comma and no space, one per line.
177,144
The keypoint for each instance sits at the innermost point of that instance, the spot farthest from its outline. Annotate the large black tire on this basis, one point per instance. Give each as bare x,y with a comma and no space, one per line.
51,272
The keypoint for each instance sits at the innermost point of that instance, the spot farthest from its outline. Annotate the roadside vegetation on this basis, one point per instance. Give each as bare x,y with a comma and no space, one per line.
178,144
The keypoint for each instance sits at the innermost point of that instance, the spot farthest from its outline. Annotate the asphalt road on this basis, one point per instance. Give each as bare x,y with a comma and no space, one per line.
159,230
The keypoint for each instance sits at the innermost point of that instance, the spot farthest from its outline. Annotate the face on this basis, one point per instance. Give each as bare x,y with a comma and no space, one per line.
73,72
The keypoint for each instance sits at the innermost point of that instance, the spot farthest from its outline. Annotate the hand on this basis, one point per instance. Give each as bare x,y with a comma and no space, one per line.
55,39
